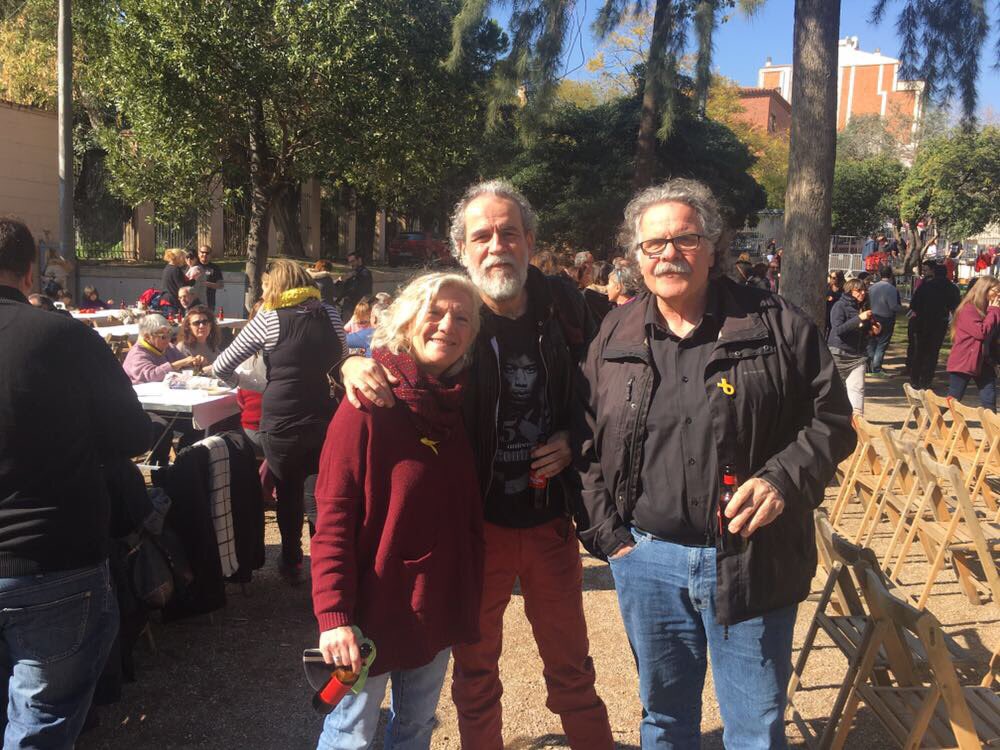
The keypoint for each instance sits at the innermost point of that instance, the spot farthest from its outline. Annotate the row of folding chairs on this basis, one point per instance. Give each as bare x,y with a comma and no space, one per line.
942,426
925,496
920,684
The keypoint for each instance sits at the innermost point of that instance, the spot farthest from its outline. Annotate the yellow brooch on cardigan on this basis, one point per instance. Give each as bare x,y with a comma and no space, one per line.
432,444
292,297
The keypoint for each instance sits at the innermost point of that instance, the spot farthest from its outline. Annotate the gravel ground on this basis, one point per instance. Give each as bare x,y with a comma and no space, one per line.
235,680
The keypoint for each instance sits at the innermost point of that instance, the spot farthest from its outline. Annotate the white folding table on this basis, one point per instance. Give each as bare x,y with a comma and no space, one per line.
132,329
205,408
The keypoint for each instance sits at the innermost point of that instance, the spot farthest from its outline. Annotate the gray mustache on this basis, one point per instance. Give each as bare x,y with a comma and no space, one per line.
667,266
496,261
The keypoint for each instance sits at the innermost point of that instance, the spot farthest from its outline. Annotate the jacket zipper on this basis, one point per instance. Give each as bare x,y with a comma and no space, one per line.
548,385
633,460
494,347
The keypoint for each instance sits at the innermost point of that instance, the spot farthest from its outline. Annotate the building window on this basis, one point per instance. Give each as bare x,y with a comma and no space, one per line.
772,123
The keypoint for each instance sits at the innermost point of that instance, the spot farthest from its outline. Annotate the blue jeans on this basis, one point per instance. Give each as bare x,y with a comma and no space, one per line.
878,344
667,597
57,630
986,383
415,693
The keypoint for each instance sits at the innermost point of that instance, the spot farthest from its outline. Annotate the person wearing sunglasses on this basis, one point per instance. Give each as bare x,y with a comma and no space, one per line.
199,334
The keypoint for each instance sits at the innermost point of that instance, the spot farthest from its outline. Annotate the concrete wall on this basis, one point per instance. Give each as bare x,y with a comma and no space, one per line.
128,282
29,169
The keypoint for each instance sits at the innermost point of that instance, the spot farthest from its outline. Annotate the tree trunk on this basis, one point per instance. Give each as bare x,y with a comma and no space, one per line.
260,206
812,153
652,96
286,208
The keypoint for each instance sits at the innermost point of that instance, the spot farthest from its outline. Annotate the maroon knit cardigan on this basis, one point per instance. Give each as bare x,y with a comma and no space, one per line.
398,549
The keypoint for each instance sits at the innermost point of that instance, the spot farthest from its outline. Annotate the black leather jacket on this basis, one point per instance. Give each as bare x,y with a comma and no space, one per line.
787,420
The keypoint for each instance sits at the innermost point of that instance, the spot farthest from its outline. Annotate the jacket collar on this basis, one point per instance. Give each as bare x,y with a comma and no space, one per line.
741,307
10,294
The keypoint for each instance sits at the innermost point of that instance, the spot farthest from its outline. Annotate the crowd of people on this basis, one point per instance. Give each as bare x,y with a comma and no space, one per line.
680,424
861,315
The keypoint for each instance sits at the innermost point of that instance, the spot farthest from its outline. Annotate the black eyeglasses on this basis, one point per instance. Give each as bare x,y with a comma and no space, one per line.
657,245
201,322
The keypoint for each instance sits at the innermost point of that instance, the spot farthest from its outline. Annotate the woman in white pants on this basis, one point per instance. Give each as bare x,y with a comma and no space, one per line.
851,326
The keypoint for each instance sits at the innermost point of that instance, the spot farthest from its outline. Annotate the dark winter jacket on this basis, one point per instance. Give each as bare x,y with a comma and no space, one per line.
788,421
848,332
351,289
66,408
565,327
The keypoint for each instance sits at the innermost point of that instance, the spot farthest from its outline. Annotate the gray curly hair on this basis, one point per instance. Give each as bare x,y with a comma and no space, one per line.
629,278
691,193
499,188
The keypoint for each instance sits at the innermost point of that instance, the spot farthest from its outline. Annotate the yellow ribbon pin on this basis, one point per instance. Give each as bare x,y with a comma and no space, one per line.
432,444
728,388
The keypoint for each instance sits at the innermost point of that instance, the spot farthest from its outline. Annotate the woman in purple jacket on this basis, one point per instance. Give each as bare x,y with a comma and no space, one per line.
973,331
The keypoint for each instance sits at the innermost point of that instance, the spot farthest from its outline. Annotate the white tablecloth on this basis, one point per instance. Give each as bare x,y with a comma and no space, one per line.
132,329
204,408
99,314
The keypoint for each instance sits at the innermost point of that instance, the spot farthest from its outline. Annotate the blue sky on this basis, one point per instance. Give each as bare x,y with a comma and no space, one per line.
742,45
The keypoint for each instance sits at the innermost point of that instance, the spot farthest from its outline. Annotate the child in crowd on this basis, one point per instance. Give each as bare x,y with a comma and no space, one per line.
361,318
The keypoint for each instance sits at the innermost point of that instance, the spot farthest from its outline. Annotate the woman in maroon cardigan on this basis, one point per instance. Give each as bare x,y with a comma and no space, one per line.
973,332
398,544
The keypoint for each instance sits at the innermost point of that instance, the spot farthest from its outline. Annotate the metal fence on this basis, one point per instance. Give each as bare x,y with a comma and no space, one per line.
235,228
182,234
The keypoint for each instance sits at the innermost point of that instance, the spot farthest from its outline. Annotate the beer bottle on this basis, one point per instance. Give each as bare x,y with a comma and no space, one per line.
342,677
731,543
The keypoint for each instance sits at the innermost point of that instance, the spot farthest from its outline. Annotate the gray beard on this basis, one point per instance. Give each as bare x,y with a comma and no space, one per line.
500,287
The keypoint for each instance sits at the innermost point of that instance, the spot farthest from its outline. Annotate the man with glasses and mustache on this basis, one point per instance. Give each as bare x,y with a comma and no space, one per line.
519,427
701,387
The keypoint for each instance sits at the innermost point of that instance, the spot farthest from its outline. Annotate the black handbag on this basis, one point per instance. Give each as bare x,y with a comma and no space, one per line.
157,567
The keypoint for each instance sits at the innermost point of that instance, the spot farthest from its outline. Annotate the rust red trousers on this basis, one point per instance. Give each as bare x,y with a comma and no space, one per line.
546,559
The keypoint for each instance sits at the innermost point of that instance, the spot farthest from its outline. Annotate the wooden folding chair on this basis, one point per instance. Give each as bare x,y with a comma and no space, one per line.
937,436
899,492
963,445
948,525
915,413
845,564
119,345
988,463
838,558
932,710
866,473
903,515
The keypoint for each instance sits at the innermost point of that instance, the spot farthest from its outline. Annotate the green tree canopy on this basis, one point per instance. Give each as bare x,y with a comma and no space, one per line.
577,172
955,180
866,194
279,91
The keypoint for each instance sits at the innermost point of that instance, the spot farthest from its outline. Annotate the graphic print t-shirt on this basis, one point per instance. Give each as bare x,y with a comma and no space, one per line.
521,425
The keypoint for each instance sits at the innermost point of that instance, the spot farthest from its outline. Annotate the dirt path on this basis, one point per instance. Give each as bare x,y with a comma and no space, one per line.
237,682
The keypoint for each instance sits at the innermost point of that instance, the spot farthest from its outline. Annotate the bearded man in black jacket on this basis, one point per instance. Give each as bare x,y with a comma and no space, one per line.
66,408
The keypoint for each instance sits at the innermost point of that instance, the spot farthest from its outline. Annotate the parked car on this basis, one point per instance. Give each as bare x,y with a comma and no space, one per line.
416,248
